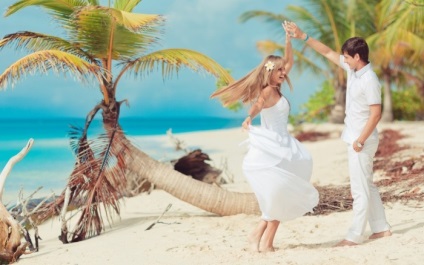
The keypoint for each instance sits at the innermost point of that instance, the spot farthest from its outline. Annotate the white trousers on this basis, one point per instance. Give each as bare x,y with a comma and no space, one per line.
367,204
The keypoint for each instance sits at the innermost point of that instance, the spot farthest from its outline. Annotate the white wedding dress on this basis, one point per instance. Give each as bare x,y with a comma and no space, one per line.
278,167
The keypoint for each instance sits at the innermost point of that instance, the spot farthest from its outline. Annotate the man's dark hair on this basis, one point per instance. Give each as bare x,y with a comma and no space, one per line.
356,45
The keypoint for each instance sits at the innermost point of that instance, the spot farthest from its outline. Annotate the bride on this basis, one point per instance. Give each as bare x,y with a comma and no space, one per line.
277,166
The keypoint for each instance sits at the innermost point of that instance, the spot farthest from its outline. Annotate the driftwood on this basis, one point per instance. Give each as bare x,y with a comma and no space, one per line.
157,220
11,247
193,164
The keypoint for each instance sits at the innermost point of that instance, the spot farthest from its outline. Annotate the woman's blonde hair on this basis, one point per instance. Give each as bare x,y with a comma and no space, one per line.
248,88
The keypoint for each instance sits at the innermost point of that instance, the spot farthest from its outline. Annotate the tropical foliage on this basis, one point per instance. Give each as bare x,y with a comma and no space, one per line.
397,47
318,107
394,30
407,104
101,44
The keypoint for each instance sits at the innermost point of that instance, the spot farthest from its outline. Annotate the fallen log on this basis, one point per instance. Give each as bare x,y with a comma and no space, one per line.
11,247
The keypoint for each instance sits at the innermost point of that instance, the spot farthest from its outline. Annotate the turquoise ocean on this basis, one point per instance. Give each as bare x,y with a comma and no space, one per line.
50,160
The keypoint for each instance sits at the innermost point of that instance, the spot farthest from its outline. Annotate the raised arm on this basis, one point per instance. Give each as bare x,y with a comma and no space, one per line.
318,46
288,53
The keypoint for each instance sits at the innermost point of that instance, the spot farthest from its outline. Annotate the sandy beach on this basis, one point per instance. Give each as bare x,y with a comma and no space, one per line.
188,235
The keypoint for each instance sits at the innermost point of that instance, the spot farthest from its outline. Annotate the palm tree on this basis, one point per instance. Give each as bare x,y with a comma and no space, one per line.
326,21
103,43
398,47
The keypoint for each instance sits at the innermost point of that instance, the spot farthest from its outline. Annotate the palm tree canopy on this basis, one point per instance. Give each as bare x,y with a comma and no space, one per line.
399,34
102,31
103,35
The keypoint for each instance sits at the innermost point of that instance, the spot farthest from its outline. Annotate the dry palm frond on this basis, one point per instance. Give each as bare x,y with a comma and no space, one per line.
96,183
98,179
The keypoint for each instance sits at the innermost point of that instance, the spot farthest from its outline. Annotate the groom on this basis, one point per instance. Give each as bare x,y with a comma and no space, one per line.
363,112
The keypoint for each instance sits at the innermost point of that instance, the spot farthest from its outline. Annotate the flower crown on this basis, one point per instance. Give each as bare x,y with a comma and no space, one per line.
269,66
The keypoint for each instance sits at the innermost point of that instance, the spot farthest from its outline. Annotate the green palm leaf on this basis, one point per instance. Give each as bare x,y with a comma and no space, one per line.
171,60
49,60
110,33
259,14
58,6
38,42
126,5
131,21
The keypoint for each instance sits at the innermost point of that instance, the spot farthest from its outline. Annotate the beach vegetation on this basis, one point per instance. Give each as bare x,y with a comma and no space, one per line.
407,104
397,50
318,106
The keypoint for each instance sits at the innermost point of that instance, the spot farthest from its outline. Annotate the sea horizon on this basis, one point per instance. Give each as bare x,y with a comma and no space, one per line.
50,161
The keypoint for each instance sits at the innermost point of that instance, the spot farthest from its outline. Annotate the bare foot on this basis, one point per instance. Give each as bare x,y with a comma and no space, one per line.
254,243
268,249
380,234
345,243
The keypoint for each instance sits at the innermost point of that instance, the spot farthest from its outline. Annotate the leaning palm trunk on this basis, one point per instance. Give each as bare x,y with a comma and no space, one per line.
90,184
200,194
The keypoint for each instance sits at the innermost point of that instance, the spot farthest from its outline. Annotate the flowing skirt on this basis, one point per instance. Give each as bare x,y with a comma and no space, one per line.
279,168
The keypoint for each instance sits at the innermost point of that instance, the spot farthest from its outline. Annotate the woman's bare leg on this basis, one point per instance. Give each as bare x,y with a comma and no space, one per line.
256,235
269,234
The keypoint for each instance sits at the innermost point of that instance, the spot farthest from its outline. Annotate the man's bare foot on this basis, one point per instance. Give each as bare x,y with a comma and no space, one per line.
254,243
380,234
345,243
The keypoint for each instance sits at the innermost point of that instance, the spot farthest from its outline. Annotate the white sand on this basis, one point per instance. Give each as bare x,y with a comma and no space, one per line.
192,236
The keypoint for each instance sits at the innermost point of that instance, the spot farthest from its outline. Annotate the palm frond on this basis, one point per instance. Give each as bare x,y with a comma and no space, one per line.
93,2
171,60
273,19
265,15
110,33
57,6
33,42
98,179
404,25
49,60
131,21
271,47
266,47
126,5
324,20
399,39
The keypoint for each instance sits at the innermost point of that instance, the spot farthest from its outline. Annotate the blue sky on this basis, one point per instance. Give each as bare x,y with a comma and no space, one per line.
210,27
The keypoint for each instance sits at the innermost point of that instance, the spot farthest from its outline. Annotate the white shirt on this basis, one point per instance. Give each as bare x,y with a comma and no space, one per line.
363,89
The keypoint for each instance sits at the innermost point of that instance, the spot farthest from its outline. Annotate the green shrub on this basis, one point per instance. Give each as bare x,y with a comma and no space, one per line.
407,104
318,107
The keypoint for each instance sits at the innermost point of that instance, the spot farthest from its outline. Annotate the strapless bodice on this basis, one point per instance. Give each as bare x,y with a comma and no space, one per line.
276,118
